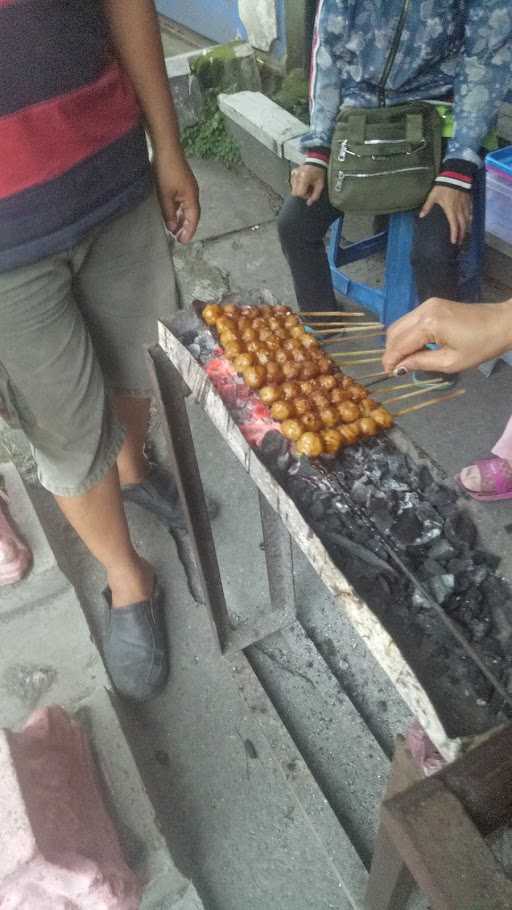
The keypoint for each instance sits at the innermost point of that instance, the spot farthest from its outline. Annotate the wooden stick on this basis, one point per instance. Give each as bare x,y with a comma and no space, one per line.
373,376
356,353
355,363
347,338
432,401
338,313
353,329
412,385
444,385
345,325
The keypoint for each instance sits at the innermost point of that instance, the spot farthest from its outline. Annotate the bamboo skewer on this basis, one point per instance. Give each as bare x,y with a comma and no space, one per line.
431,401
356,353
353,363
440,387
337,313
374,376
344,325
412,385
347,338
352,328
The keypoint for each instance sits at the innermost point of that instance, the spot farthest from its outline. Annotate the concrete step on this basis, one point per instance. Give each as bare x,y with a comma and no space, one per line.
47,656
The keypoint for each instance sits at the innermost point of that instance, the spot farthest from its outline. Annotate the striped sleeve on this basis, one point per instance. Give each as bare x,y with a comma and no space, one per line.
458,174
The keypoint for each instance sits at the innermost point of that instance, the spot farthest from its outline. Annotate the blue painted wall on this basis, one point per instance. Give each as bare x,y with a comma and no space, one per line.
218,20
214,19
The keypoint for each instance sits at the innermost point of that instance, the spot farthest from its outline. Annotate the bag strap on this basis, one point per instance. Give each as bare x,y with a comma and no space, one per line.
356,126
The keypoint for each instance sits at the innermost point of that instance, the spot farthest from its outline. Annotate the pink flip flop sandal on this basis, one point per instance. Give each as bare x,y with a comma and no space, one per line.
495,473
15,557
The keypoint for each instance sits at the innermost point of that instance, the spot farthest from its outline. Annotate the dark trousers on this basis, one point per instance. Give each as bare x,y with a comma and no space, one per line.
302,231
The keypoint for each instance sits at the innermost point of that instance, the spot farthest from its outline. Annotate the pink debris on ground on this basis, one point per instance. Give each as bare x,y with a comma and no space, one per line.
423,750
58,847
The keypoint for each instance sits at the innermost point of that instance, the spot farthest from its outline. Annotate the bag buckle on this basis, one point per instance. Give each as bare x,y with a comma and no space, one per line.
343,150
339,181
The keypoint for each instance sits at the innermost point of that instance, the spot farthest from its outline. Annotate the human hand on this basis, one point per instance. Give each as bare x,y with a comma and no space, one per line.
457,206
308,182
178,193
468,334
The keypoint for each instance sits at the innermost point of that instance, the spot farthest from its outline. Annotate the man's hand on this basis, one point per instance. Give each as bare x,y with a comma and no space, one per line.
468,335
457,206
179,196
308,182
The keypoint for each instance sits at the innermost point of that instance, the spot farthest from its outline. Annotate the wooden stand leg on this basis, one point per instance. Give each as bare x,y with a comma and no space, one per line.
391,884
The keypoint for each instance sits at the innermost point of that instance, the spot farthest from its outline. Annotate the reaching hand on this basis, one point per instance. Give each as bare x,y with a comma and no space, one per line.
179,196
468,335
457,206
308,182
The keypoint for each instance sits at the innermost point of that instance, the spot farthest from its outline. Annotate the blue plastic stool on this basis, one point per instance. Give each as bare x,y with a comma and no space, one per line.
399,296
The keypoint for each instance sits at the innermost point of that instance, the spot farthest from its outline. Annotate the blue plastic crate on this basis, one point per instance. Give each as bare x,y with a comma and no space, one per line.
498,217
500,160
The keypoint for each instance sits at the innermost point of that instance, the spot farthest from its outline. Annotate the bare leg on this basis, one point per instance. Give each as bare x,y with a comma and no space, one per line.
98,518
134,415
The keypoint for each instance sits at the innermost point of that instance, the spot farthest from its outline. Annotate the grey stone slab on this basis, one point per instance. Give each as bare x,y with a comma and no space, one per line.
262,118
254,259
231,199
45,578
261,161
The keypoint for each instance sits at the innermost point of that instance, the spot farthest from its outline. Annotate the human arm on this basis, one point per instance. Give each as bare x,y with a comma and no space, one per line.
467,335
136,40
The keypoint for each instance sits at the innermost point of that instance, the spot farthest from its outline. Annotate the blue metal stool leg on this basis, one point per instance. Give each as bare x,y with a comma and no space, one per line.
471,264
400,294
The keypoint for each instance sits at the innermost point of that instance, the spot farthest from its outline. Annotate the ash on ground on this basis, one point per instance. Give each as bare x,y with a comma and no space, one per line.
373,498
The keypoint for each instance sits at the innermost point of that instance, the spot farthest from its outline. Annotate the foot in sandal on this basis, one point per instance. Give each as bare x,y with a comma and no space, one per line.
488,479
15,557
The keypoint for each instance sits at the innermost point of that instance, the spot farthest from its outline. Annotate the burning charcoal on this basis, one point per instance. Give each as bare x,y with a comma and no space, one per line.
300,492
399,468
419,602
406,528
360,493
480,573
428,515
442,550
441,587
459,529
410,500
379,507
273,445
460,565
188,338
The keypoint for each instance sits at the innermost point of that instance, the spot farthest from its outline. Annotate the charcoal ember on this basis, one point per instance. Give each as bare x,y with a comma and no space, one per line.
460,530
341,507
273,445
283,462
320,506
380,509
460,564
188,338
496,591
410,500
431,568
419,602
442,550
400,467
479,574
428,515
361,493
441,586
480,629
502,621
301,493
424,477
482,558
406,528
441,497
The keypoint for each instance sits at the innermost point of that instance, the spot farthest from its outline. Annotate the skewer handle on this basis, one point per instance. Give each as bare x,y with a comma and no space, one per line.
355,363
338,313
445,385
432,401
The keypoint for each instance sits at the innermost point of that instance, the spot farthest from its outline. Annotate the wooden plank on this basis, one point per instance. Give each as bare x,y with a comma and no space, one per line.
444,850
482,781
391,884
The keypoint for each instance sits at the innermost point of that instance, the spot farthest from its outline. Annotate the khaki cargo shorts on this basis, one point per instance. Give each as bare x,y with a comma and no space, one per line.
72,331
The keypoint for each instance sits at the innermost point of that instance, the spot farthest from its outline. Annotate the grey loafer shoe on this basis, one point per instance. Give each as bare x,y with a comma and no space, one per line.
159,495
136,648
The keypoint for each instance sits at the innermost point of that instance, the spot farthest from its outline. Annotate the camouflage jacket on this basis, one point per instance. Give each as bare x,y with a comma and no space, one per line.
448,48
